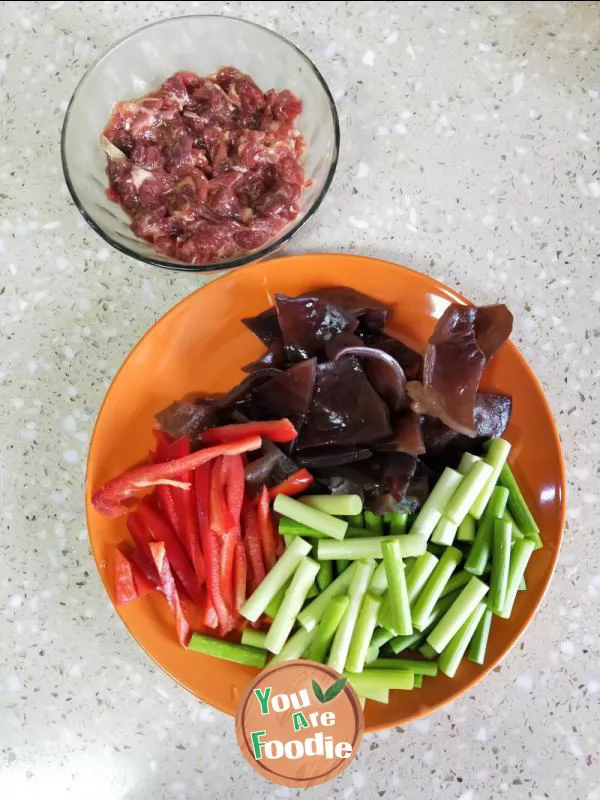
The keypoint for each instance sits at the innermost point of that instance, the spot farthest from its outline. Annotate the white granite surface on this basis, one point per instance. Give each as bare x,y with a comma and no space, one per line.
471,151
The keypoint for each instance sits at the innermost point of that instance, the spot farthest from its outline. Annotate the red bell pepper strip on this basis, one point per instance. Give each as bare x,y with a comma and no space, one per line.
252,544
233,473
296,483
239,575
221,521
161,531
277,430
169,590
266,530
142,538
143,585
209,615
109,499
226,568
125,588
168,449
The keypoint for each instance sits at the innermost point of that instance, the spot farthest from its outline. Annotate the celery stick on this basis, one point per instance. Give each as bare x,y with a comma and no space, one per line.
478,644
240,653
281,627
288,527
275,603
516,533
397,594
418,681
459,611
398,523
312,614
313,591
274,579
518,507
326,628
409,664
312,517
295,647
519,558
370,692
434,506
466,530
356,533
338,505
496,455
457,581
444,532
253,638
400,643
380,637
343,636
467,493
325,575
431,593
410,545
341,565
522,585
361,635
380,679
451,657
418,573
378,583
373,523
482,545
427,651
501,541
356,521
466,462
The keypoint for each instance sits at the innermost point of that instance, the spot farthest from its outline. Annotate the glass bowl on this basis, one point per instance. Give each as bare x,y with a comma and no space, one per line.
139,63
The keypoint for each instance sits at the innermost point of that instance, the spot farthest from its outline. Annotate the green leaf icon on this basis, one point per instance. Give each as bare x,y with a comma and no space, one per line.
318,692
333,691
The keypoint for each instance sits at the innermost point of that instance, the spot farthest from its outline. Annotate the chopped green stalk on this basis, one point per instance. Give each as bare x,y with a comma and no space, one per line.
240,653
369,692
277,576
253,638
519,558
356,521
372,654
467,493
516,533
381,679
356,533
273,606
288,527
466,530
518,507
522,585
457,581
501,542
287,540
370,547
466,462
339,505
341,565
380,637
450,659
313,591
409,664
281,627
373,523
295,647
363,630
400,643
418,681
326,628
434,506
397,594
457,614
312,517
444,532
379,582
480,638
418,573
343,636
398,523
482,546
496,455
325,575
432,591
427,651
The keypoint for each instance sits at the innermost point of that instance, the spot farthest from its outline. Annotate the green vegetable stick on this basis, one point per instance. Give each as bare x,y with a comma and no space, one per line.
467,493
427,651
281,627
253,638
450,659
434,506
356,521
295,647
466,462
431,593
522,585
361,635
418,681
466,530
378,583
397,593
459,611
381,679
373,523
356,533
250,656
409,664
398,523
325,575
289,527
277,576
325,523
518,507
482,546
343,636
313,591
410,545
338,505
312,614
341,565
418,573
370,692
497,453
519,558
444,532
326,628
501,542
457,581
516,533
275,603
400,643
478,644
380,637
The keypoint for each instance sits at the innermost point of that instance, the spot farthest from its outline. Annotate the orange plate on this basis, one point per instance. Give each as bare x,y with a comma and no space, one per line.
201,344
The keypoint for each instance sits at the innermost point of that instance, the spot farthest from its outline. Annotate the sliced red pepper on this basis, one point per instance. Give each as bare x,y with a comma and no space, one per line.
277,430
221,520
226,572
168,449
209,615
109,499
142,538
253,546
266,529
233,472
239,575
161,531
143,584
169,590
296,483
125,588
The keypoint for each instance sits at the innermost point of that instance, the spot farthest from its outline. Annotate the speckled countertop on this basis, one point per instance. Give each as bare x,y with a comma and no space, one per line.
470,151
